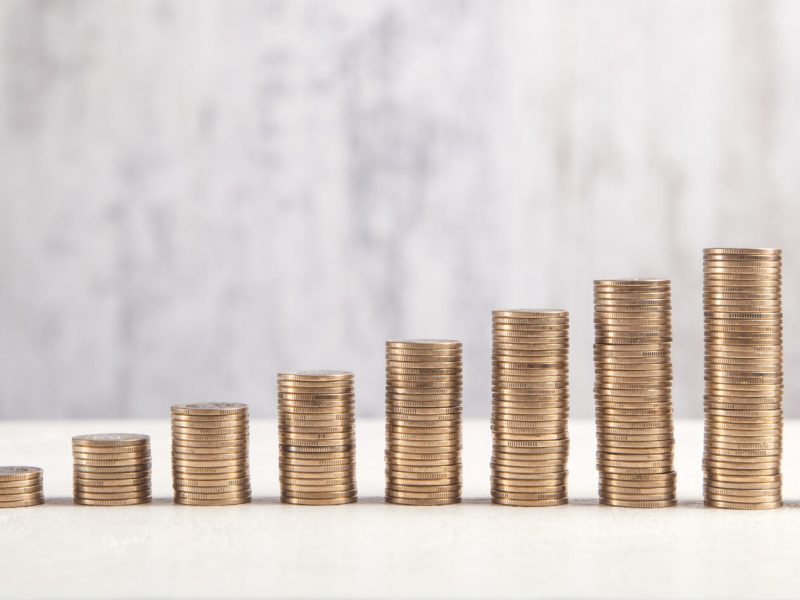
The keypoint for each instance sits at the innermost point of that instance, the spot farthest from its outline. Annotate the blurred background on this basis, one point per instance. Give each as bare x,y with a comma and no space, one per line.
195,195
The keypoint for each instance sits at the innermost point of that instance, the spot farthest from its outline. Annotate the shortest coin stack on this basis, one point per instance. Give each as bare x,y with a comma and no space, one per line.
210,464
111,469
20,486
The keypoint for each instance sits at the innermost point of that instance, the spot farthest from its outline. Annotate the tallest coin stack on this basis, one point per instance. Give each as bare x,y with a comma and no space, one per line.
743,377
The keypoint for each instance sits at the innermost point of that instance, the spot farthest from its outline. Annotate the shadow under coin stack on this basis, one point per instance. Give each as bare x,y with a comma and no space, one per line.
743,378
111,469
316,429
530,407
210,454
423,422
633,392
21,486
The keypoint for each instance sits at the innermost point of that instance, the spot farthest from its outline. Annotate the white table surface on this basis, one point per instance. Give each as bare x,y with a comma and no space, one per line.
370,549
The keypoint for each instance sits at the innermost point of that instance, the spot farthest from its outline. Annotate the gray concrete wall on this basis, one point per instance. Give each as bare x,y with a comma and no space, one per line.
196,194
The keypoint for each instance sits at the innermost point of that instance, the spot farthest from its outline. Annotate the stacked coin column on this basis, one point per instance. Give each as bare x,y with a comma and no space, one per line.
743,378
111,469
21,486
210,454
316,429
530,396
423,422
633,392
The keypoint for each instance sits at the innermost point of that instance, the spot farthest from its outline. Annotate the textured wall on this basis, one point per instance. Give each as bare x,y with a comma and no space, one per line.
196,194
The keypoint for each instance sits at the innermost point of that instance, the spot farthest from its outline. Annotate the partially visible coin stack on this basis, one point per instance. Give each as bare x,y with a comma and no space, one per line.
743,378
111,469
316,429
20,486
633,392
210,454
530,407
423,422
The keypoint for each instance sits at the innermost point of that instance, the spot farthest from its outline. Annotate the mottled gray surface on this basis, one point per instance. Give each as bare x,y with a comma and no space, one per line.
196,194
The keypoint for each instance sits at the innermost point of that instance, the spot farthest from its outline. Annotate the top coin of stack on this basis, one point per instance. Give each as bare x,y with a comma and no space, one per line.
633,392
423,422
316,428
210,454
743,378
530,392
20,486
111,469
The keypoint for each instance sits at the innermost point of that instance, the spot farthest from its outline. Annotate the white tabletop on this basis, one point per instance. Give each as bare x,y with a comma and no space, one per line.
370,549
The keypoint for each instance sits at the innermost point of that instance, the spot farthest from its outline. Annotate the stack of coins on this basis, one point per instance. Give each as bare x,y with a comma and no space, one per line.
20,486
423,422
317,437
111,469
633,392
209,454
743,378
530,407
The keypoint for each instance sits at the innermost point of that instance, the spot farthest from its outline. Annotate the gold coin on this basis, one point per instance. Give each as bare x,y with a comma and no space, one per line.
9,474
639,503
209,408
322,375
23,503
216,502
110,439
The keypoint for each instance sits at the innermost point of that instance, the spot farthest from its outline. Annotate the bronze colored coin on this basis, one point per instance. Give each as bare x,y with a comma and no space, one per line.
738,492
319,502
208,496
110,484
110,450
110,439
423,502
209,408
218,502
8,474
320,375
23,503
190,428
209,458
424,344
8,494
724,496
243,437
191,472
753,482
122,502
288,489
81,495
743,505
210,444
320,495
138,490
211,420
137,462
185,478
111,459
392,495
628,493
645,486
636,470
643,503
409,473
530,503
14,484
320,458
